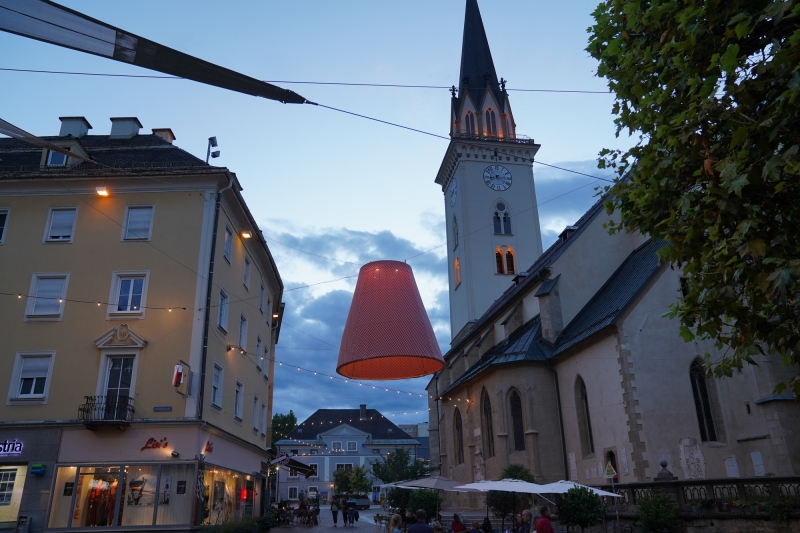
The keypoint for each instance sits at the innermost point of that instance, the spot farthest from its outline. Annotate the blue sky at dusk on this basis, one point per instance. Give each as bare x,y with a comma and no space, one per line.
324,182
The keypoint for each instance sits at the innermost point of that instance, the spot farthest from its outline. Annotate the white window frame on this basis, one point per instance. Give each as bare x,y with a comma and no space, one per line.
263,419
334,445
4,229
13,493
127,218
243,324
219,370
46,238
344,466
260,297
14,397
354,447
259,355
49,161
113,295
313,488
256,416
30,316
106,355
223,305
296,492
227,245
248,267
238,403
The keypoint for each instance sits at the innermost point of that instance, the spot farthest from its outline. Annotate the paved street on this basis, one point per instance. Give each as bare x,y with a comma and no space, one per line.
366,522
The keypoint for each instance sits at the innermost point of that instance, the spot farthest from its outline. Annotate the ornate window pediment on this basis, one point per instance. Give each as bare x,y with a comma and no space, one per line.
122,337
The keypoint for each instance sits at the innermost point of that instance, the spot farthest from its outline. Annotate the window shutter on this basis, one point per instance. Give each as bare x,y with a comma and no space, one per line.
62,221
48,291
35,367
139,219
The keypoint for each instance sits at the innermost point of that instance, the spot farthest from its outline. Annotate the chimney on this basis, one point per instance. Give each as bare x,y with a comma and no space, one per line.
124,127
76,127
550,309
165,133
363,408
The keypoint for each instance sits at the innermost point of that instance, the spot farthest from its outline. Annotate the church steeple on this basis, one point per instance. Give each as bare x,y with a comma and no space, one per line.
477,68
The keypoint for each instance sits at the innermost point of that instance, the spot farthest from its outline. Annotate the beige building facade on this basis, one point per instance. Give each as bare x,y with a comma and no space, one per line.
572,365
140,311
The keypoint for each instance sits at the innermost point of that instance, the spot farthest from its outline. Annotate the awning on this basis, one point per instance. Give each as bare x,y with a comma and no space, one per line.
289,462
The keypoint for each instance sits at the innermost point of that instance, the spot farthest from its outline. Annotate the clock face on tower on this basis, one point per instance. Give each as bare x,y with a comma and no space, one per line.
497,177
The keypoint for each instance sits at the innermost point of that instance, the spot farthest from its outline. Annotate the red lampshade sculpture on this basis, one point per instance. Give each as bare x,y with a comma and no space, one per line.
387,334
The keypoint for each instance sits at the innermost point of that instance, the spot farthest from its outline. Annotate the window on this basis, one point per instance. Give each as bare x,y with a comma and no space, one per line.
702,403
222,312
506,224
459,438
491,122
457,271
263,419
238,399
515,404
61,224
259,355
584,419
488,429
243,333
3,224
344,466
261,298
455,233
498,229
352,446
336,445
57,159
504,260
48,302
264,359
312,488
216,385
226,247
292,490
469,124
501,220
256,418
7,480
30,378
246,276
138,223
128,293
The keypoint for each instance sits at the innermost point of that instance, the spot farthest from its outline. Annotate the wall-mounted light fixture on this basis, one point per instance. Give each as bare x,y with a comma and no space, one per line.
101,191
246,234
175,454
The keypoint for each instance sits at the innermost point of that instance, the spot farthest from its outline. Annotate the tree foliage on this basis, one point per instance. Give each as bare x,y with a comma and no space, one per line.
399,498
580,507
507,504
282,425
341,481
712,90
657,513
360,482
428,500
398,466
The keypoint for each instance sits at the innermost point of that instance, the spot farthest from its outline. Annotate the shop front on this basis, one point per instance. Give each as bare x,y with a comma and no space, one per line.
166,478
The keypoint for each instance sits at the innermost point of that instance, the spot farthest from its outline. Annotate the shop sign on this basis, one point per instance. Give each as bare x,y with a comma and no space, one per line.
13,447
153,444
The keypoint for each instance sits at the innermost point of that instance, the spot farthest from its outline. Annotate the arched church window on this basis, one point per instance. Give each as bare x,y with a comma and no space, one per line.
488,429
457,271
491,122
459,438
497,224
702,403
584,420
505,262
515,404
469,124
506,224
455,233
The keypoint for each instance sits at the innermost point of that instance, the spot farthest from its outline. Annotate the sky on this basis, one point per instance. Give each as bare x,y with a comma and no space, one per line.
323,183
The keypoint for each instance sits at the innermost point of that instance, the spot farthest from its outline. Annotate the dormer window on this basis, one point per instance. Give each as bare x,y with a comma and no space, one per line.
57,159
491,122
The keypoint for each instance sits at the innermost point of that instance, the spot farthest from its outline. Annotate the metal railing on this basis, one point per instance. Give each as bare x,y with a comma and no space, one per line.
519,139
109,408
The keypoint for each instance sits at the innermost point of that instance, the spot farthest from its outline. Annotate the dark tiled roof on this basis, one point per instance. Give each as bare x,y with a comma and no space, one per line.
16,155
477,66
527,344
323,420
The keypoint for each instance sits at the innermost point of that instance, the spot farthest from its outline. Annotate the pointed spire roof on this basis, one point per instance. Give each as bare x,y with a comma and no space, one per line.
477,67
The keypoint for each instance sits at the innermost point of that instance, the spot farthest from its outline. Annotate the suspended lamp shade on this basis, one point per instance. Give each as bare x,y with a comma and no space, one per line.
388,334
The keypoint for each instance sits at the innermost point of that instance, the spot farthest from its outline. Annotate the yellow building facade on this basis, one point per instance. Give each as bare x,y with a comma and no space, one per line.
140,309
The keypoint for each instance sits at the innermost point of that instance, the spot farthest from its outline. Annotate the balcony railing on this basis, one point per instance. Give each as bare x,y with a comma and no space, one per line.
519,139
111,410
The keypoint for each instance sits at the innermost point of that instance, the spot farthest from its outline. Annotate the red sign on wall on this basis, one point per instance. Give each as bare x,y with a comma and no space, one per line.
153,444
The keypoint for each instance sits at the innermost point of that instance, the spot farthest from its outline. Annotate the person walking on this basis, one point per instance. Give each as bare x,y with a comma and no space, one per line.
543,525
396,524
351,511
334,511
420,526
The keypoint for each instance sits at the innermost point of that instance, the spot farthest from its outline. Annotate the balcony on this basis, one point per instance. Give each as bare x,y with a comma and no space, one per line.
519,139
110,410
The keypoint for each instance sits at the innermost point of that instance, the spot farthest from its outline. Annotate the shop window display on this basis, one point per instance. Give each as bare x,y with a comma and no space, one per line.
96,495
227,495
176,494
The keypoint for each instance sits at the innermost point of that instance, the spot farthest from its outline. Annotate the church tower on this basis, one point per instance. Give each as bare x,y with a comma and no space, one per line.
487,180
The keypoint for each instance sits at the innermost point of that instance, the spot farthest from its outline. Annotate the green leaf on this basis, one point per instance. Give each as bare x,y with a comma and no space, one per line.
728,60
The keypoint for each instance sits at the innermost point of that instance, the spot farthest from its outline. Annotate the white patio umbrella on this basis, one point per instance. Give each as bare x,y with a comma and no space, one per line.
505,485
561,487
434,483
